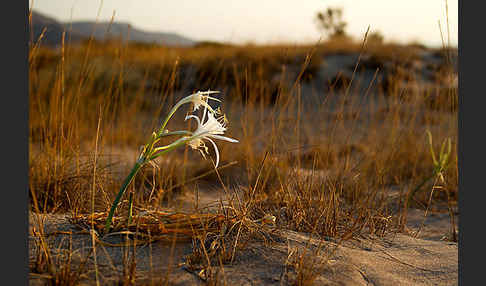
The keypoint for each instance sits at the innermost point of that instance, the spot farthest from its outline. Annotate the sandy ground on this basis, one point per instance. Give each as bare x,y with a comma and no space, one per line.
426,258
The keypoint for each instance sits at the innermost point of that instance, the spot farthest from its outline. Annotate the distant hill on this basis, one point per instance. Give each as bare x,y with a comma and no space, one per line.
77,31
126,31
54,30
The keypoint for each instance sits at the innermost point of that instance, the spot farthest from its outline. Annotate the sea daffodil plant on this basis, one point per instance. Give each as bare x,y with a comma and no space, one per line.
212,125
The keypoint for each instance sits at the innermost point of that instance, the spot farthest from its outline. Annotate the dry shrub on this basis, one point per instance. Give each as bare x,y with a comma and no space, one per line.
359,148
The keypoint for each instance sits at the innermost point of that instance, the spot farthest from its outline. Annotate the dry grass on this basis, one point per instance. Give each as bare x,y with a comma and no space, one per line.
320,160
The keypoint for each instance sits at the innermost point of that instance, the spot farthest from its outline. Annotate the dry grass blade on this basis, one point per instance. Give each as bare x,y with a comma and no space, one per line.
151,225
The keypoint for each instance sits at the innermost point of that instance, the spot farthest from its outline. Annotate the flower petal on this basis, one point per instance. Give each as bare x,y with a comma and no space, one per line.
206,92
195,117
215,151
206,105
223,138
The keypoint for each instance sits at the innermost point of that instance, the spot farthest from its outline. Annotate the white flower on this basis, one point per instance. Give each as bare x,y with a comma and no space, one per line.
197,99
212,128
200,98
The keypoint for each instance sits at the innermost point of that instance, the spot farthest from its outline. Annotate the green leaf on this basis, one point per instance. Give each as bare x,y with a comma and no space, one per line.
445,156
431,147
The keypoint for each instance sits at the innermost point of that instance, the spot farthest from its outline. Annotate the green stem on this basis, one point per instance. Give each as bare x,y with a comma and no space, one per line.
130,208
172,111
148,155
170,147
127,182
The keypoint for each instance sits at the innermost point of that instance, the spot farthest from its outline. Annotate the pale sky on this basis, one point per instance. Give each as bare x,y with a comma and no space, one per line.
266,21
